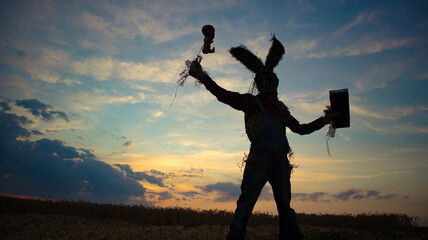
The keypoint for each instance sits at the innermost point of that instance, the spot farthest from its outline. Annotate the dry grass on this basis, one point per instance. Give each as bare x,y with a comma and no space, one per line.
35,219
48,226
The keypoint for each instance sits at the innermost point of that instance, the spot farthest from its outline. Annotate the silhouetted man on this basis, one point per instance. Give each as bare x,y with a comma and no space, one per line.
265,120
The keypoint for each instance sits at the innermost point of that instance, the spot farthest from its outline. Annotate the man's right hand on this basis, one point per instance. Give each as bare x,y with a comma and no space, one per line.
196,71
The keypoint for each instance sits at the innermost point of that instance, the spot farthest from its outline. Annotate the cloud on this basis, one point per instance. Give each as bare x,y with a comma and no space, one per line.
188,143
54,65
133,21
366,194
367,44
190,194
346,194
128,144
363,35
52,168
226,191
401,128
140,176
44,117
380,75
106,68
154,20
259,46
99,68
70,82
40,109
193,172
189,175
364,17
165,196
158,114
159,173
384,197
96,100
358,110
370,193
266,194
293,25
11,128
391,118
392,114
314,197
357,194
300,47
96,22
42,63
5,106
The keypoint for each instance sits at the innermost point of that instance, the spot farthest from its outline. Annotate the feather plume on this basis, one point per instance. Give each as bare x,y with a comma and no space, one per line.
275,54
246,57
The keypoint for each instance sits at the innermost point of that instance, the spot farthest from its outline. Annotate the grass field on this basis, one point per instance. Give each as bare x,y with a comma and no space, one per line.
35,219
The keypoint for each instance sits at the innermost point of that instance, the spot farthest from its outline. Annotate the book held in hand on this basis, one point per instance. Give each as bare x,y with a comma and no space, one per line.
339,102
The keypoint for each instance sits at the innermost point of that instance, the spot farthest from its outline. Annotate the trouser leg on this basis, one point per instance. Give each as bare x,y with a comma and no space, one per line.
280,181
253,181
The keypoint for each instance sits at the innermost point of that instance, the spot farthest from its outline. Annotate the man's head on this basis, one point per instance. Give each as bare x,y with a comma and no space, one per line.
266,80
267,84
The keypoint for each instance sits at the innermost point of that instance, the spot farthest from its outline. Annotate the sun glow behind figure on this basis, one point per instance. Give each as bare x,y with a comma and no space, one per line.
86,88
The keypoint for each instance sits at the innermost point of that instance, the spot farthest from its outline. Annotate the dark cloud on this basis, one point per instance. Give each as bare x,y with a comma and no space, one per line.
345,195
5,106
159,173
141,175
227,191
314,197
387,196
370,193
42,110
11,128
165,196
266,194
20,54
190,194
194,171
190,175
357,194
365,194
128,144
51,168
36,132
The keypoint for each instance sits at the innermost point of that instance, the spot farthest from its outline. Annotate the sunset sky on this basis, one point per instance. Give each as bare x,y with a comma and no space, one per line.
86,88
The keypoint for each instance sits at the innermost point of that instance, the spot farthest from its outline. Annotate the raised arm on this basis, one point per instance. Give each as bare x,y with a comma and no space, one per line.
235,100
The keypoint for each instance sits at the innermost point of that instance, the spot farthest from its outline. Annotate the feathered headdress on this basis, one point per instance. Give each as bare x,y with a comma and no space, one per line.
255,64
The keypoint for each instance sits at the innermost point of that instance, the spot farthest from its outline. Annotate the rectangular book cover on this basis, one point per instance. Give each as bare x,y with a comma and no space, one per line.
339,102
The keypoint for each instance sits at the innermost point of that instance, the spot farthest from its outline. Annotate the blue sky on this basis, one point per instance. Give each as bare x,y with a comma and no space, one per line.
86,88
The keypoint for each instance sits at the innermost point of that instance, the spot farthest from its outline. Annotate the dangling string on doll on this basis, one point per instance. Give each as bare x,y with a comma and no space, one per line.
209,32
330,134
